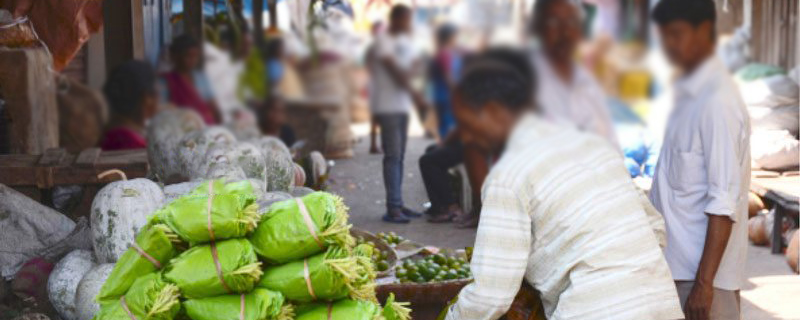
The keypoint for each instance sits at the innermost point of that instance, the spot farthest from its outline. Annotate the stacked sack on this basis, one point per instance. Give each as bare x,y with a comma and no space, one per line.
211,255
773,101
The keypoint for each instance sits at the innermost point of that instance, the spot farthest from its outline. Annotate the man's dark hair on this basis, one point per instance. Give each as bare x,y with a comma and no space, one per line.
539,9
498,75
694,12
399,11
127,86
183,43
445,33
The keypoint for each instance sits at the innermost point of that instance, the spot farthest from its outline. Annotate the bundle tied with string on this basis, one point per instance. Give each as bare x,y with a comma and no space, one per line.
224,267
347,309
297,228
260,304
331,275
149,298
155,245
215,210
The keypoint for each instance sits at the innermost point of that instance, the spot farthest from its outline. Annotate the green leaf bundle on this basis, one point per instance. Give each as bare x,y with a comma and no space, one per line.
260,304
199,274
215,210
347,309
155,246
149,298
297,228
332,275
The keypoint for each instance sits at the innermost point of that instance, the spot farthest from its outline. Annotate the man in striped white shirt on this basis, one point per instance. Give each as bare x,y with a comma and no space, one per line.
559,211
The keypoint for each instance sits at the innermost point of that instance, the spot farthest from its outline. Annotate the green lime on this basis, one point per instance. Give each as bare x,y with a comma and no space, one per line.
383,266
439,259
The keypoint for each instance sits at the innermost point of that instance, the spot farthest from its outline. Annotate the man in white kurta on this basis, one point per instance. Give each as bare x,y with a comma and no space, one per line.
703,173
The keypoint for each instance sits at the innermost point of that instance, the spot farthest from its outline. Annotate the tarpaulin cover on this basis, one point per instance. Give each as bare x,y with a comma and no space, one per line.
287,232
63,25
229,266
156,242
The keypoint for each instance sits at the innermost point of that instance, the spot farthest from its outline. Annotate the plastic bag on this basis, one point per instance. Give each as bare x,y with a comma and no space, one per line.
233,212
354,310
150,297
209,270
288,232
155,246
260,304
332,275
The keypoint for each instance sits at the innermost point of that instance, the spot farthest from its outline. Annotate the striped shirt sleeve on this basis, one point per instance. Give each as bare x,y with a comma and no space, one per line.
500,258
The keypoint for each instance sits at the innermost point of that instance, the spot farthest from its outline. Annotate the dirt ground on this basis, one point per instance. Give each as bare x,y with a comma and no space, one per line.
771,290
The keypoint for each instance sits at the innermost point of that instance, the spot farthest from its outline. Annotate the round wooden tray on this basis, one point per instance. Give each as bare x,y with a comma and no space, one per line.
380,245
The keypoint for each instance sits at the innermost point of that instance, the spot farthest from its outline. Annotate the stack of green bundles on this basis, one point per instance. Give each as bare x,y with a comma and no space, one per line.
209,255
314,264
193,260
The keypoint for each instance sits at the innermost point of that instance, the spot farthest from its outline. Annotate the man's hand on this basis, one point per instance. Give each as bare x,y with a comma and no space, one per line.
698,304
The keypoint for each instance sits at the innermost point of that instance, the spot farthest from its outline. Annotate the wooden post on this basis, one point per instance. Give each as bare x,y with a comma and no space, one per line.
258,22
193,18
123,33
273,14
28,87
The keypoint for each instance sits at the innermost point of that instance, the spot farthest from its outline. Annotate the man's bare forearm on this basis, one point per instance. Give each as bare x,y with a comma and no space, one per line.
717,235
399,77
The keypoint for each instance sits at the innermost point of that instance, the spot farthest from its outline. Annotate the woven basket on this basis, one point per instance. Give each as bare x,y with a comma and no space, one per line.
423,293
381,245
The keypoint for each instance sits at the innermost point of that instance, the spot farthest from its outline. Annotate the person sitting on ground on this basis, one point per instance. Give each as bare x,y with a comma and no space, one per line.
560,211
186,85
132,96
272,120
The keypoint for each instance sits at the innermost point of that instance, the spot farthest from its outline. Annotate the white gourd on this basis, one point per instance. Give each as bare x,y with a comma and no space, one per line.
119,211
278,164
63,282
299,176
85,304
243,124
164,133
193,147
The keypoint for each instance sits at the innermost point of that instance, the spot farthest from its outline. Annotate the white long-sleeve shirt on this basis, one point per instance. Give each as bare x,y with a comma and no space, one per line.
560,211
704,168
581,103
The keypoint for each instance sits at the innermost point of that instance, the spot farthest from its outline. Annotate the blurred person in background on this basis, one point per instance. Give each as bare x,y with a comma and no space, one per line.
132,96
274,63
369,61
588,242
395,57
567,91
703,174
438,159
186,85
272,120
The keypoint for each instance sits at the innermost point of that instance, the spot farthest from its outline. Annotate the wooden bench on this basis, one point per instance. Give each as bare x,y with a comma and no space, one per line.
782,192
36,175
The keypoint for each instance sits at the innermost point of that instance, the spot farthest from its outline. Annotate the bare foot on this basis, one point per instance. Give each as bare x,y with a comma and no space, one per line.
470,222
375,150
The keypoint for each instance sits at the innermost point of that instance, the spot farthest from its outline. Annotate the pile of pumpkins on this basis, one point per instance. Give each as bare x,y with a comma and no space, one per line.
759,229
179,146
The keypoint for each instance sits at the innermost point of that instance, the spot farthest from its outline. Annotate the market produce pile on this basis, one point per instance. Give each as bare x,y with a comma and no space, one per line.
211,254
433,268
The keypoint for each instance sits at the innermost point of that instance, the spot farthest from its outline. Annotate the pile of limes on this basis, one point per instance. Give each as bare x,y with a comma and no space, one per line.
433,268
391,238
379,258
